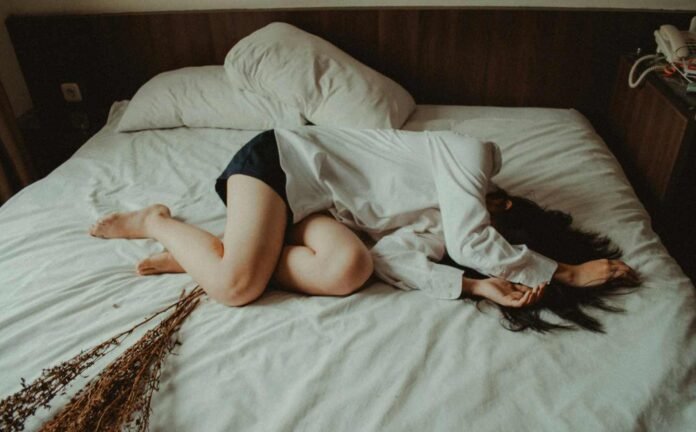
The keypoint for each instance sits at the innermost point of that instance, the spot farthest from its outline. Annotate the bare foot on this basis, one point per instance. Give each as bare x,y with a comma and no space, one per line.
130,225
159,263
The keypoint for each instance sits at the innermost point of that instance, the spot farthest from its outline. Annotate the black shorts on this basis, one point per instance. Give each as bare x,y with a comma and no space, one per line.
259,159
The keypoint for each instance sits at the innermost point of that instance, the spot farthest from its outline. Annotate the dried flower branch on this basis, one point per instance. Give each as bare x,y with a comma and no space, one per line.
119,397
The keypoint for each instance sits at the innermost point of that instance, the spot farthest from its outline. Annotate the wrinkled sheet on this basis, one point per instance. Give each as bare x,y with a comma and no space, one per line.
379,360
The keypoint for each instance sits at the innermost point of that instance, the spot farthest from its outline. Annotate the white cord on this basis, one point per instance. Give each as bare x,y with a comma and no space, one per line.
642,76
685,65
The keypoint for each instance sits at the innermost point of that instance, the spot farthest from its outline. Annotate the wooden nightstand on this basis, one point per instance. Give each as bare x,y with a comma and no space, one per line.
654,138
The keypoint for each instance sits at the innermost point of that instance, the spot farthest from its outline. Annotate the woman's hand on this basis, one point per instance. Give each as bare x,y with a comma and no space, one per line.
503,292
596,273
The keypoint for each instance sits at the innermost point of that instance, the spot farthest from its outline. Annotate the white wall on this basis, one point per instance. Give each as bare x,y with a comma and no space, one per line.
17,91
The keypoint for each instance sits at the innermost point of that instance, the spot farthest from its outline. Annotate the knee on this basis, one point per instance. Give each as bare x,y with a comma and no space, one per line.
349,270
236,290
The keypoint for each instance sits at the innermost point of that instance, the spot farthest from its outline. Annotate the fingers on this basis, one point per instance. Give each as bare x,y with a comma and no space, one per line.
529,295
535,296
623,273
540,291
521,301
537,293
631,276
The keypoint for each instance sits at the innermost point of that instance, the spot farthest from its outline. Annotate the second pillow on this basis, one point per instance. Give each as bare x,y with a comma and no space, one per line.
203,97
327,85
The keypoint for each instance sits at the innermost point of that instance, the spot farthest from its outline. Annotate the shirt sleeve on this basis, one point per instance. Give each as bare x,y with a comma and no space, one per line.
462,167
404,259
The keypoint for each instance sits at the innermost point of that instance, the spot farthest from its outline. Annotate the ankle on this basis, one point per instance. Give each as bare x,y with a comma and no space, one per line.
153,220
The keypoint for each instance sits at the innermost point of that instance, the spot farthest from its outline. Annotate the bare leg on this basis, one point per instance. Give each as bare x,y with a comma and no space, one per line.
234,271
325,259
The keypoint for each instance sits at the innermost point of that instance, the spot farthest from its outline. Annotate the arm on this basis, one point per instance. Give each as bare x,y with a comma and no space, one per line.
462,167
404,259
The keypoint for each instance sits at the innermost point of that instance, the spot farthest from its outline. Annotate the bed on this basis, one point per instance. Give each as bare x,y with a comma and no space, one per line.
379,360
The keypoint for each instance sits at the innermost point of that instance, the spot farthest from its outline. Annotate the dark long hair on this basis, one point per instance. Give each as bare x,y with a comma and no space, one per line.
550,233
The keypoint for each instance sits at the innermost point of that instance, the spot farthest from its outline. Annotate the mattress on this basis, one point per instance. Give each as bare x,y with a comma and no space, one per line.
379,360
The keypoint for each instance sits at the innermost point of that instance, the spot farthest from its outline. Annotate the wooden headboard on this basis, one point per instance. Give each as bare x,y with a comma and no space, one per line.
504,57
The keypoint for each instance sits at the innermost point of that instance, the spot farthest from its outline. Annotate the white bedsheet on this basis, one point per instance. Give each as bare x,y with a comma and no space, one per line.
380,360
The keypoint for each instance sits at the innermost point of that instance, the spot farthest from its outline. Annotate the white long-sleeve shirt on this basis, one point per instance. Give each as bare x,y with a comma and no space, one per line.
416,194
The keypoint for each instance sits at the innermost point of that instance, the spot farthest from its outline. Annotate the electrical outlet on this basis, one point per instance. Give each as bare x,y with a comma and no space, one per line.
71,92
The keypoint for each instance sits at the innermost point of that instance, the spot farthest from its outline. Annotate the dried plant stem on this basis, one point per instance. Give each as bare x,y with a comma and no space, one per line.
119,396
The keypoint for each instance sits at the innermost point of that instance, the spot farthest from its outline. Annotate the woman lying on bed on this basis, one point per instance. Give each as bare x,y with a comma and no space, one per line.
417,194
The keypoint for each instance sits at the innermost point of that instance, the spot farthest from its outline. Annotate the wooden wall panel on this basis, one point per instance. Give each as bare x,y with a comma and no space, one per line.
551,58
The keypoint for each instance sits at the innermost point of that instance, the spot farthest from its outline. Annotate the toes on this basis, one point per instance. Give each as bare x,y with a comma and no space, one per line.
94,230
98,227
146,271
145,267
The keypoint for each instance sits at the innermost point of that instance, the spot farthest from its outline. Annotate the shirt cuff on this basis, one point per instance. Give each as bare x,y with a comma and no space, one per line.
537,270
446,283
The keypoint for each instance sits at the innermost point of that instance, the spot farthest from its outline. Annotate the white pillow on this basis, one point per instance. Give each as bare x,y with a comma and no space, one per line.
203,97
327,85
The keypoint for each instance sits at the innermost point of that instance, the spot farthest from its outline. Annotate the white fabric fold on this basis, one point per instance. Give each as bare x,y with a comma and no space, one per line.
407,260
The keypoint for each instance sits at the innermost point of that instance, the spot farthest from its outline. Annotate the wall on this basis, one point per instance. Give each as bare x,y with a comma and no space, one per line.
91,6
10,74
19,96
